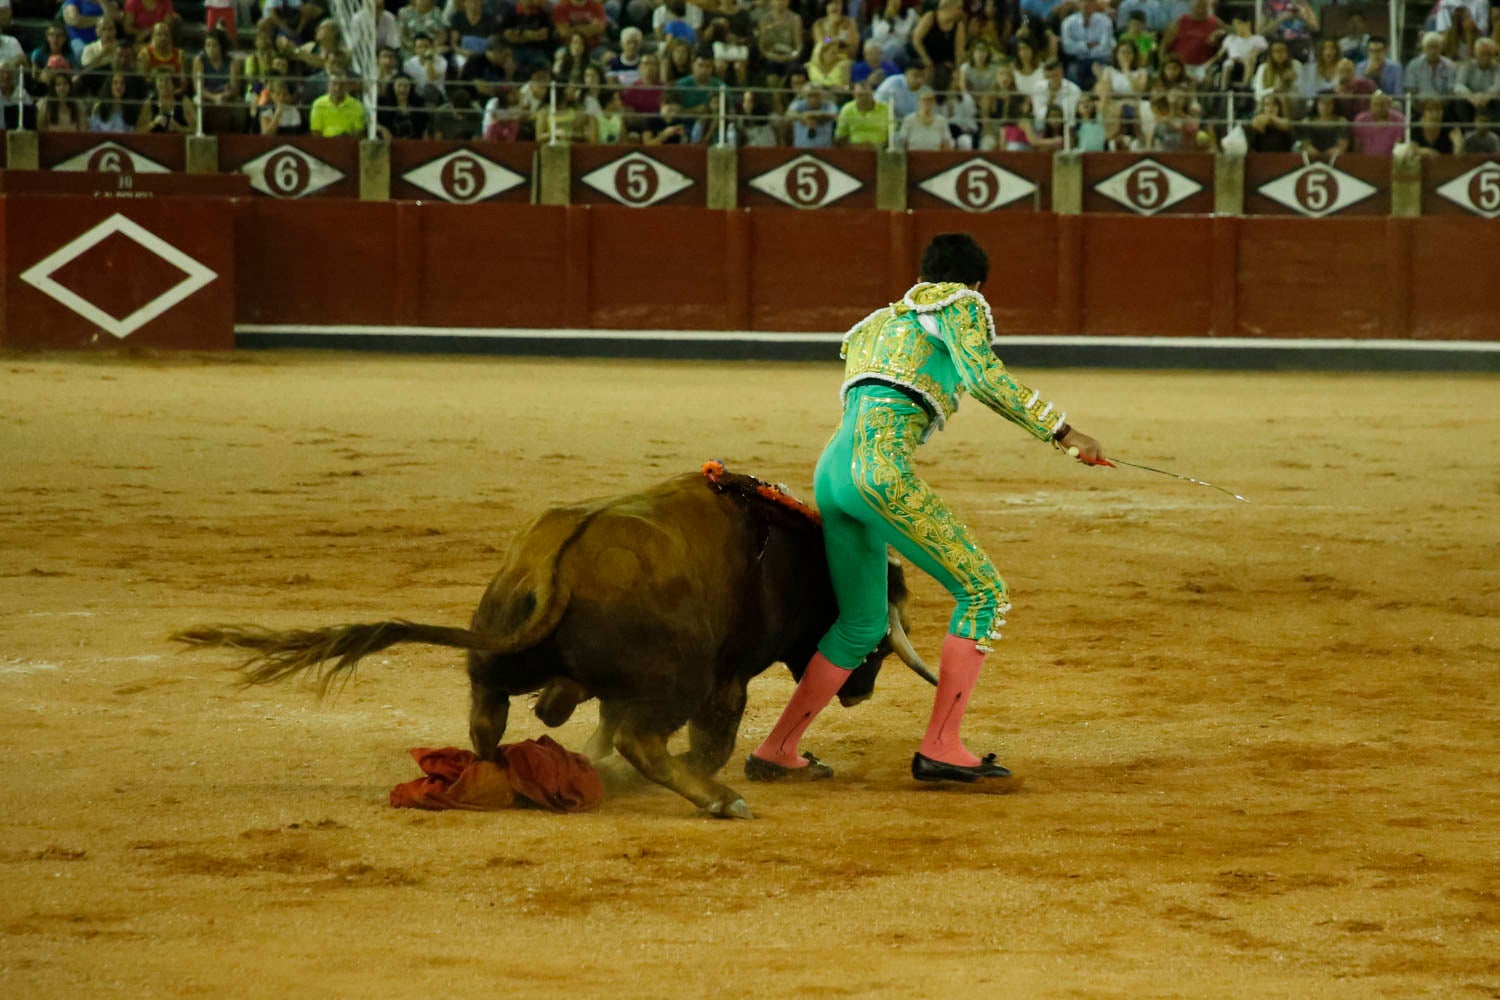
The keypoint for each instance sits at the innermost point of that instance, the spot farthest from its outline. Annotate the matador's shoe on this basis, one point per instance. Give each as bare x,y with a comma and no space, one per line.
759,769
924,768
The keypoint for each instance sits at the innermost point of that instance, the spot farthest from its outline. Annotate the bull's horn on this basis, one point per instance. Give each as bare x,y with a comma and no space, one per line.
903,648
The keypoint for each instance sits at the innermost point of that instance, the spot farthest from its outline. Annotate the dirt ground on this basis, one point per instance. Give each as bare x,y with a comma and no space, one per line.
1258,741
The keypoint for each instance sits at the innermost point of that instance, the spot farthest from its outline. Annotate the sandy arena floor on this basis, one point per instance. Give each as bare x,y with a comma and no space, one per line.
1259,742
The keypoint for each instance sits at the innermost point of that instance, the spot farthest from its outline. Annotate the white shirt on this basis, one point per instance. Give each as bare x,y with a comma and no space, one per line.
413,68
10,49
1067,99
1241,49
387,28
693,16
916,134
1480,9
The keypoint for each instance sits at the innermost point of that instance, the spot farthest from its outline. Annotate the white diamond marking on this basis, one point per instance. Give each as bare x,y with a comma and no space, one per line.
39,275
806,182
1147,187
112,157
463,177
289,172
977,185
1478,190
1316,190
637,180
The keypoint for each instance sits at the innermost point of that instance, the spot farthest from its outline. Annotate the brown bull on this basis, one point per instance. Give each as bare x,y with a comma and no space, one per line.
661,604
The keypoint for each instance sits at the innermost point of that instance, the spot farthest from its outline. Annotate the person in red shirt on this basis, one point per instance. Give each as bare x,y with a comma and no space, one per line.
580,17
143,15
1194,38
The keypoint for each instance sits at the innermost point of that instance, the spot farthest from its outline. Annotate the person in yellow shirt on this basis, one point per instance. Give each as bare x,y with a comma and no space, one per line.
338,112
863,121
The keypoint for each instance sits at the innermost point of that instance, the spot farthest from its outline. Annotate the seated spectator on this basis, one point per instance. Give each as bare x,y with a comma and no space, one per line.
572,60
1321,72
1171,129
1027,68
315,85
1054,90
11,52
387,28
962,114
81,18
217,78
114,111
666,128
1090,134
580,17
456,121
1460,36
836,27
979,77
696,96
1482,140
166,110
1356,38
863,122
280,114
527,28
1478,81
1240,51
294,19
900,92
327,39
1125,78
1432,136
891,25
812,116
1446,11
1145,42
874,67
100,57
677,59
1171,75
60,111
338,112
1386,76
428,70
1431,72
731,52
1352,90
1156,15
52,56
925,129
939,43
503,119
829,67
1278,73
220,14
625,66
644,96
677,19
1290,21
1020,133
161,56
1195,38
780,40
1378,129
419,18
401,114
487,74
470,28
1088,43
609,121
1325,135
981,25
140,16
1271,129
755,125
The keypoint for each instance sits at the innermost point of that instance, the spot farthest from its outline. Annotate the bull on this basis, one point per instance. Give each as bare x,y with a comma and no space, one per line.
661,604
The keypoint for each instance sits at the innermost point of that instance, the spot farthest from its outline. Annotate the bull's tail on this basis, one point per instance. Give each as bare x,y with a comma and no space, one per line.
275,656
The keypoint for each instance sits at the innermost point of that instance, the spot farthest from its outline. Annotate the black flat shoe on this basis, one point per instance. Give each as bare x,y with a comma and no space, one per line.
758,769
926,769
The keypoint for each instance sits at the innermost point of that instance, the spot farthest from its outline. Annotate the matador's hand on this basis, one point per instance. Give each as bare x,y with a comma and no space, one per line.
1082,447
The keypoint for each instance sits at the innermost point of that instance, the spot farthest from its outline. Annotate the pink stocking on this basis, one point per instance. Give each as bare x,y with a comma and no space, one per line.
819,684
957,672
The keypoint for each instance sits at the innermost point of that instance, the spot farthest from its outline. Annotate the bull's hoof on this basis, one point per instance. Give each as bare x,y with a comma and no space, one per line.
735,809
759,769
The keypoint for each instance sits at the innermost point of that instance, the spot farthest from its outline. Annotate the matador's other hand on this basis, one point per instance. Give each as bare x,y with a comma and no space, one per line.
1084,448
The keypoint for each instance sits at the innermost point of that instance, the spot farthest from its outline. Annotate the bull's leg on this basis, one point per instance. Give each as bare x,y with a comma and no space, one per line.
601,745
713,728
488,711
646,748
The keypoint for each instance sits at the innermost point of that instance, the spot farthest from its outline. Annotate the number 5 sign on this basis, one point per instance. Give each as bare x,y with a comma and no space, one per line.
1477,191
637,180
1316,190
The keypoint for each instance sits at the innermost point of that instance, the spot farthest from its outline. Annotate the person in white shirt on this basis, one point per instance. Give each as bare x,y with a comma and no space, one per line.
428,70
1054,88
1241,50
925,129
387,28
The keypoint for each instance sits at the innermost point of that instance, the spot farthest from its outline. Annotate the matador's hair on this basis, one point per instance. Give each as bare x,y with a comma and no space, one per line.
955,257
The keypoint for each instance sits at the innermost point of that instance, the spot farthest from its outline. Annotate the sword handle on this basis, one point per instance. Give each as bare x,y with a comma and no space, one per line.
1075,453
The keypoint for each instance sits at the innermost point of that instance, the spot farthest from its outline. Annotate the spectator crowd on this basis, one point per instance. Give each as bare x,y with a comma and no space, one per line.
1271,75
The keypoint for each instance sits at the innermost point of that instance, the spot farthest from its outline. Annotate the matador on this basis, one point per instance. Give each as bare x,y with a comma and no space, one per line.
906,365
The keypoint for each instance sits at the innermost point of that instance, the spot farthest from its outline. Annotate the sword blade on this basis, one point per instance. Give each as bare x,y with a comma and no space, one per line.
1186,479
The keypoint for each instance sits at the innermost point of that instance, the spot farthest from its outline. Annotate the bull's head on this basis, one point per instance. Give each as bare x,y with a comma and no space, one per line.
861,682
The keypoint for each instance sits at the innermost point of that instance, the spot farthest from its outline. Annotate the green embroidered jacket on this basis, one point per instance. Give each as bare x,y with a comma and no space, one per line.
936,343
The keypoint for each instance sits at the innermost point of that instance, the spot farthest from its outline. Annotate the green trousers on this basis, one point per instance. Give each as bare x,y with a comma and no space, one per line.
870,498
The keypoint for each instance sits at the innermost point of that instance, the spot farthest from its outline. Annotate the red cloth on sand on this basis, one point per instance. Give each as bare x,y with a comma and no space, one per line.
541,772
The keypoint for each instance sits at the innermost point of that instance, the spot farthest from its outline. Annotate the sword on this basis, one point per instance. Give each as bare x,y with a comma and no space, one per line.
1073,453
